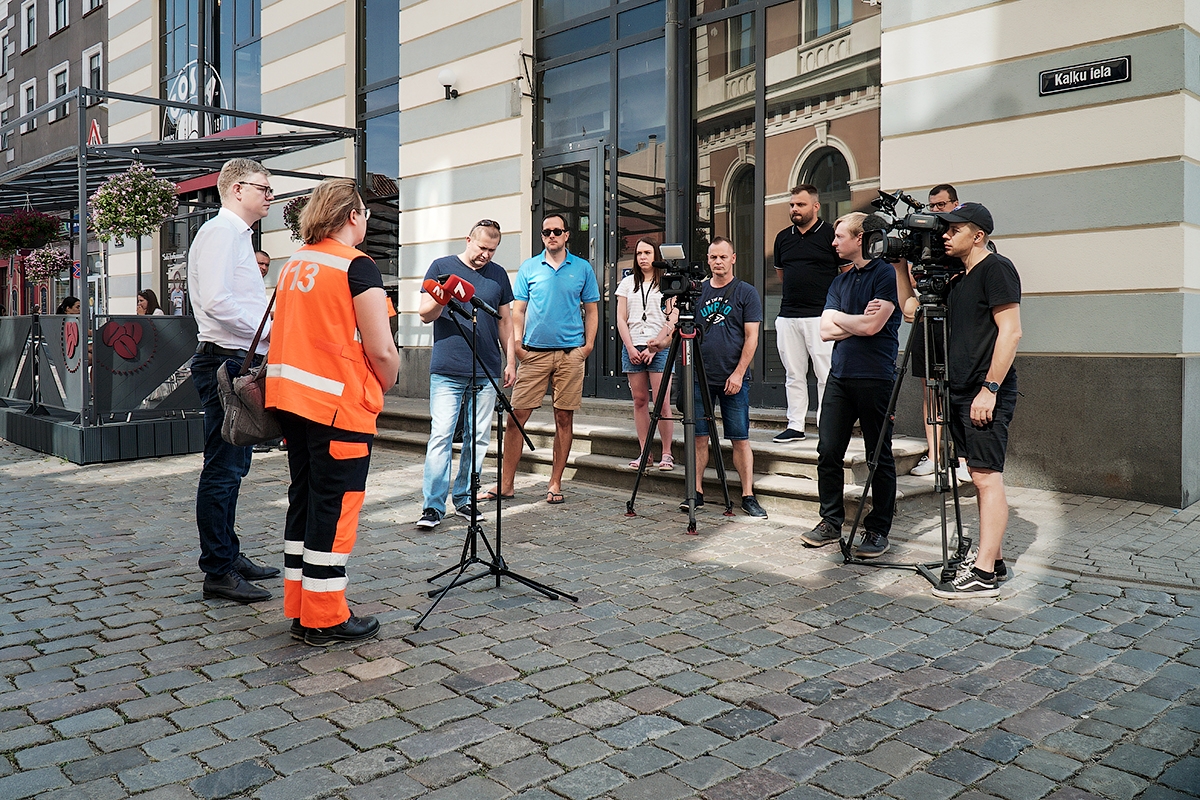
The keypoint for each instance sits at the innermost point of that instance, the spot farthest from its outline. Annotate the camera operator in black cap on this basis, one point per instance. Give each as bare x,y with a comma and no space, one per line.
984,318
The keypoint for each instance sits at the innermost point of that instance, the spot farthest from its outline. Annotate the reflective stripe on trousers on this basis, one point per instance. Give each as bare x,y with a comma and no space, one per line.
329,476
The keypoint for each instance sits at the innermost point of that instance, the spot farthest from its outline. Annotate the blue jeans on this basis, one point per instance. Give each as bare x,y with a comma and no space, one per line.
221,476
735,411
446,394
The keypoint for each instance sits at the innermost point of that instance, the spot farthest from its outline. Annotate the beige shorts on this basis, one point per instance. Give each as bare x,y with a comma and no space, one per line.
562,370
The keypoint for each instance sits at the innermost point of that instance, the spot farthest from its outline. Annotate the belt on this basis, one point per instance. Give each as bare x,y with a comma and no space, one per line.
210,349
549,349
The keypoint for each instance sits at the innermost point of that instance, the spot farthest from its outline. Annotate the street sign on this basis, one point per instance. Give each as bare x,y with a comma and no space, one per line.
94,139
75,273
1084,76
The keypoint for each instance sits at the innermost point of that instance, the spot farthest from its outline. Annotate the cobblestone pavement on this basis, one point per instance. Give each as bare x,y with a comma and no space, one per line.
735,664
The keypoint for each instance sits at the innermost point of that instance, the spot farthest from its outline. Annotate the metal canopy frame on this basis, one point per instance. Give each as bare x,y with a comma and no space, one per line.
64,181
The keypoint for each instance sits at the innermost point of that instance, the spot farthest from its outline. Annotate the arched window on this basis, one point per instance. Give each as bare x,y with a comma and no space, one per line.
828,171
741,215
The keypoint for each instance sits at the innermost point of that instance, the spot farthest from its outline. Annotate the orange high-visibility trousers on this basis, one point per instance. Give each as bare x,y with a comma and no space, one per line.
329,476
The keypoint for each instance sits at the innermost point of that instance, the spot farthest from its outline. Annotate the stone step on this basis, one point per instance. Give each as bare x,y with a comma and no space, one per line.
785,475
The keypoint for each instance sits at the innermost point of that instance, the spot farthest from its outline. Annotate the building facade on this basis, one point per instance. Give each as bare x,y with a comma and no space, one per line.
48,48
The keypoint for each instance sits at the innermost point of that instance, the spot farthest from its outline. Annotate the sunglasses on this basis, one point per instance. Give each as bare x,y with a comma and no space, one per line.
548,232
487,223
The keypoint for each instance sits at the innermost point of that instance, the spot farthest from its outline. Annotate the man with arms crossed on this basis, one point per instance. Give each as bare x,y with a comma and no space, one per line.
862,317
984,315
227,297
806,263
730,313
552,342
451,367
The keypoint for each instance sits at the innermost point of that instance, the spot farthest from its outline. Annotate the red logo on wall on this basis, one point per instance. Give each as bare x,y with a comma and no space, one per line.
123,339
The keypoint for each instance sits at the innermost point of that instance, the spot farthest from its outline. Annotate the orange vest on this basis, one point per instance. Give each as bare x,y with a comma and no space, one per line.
316,367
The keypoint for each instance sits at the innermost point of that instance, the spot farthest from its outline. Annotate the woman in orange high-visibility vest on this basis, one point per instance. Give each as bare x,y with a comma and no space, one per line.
332,357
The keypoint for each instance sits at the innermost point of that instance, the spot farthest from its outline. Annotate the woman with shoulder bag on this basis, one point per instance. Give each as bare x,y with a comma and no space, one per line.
327,385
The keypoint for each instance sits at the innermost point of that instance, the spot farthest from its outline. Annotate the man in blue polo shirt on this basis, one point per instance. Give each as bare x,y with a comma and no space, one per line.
862,318
553,341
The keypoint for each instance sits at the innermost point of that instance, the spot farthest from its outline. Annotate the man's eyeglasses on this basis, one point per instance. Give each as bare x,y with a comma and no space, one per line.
486,223
944,205
366,212
548,232
266,190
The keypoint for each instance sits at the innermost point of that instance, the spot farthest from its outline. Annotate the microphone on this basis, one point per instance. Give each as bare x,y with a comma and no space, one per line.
873,222
436,291
464,292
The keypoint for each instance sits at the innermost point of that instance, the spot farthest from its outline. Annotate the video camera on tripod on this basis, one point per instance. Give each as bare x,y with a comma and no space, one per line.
915,237
680,279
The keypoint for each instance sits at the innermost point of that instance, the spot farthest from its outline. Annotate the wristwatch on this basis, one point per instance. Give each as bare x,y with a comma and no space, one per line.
991,386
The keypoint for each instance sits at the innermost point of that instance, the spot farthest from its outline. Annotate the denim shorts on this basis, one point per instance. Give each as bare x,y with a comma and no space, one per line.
657,364
735,412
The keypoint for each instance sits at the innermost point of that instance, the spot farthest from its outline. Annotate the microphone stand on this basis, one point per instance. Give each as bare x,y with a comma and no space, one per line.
494,564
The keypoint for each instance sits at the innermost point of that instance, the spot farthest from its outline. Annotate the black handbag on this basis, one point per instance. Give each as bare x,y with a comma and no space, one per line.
243,397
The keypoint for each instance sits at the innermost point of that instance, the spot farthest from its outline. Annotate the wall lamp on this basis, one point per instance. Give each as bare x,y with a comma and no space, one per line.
447,79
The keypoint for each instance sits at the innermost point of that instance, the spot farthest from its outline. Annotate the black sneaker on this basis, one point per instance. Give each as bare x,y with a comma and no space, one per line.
355,629
788,436
699,503
968,583
464,511
750,506
1000,568
430,518
822,535
298,631
872,545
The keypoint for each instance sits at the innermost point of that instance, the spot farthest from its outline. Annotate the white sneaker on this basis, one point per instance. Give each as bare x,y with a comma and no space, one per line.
924,467
964,475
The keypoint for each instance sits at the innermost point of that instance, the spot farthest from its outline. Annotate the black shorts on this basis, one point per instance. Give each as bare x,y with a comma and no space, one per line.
983,447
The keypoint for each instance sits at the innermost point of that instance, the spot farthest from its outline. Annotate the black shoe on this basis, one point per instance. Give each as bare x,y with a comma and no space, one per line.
253,572
298,631
822,535
464,511
1000,569
430,519
968,583
750,506
355,629
262,447
699,503
872,545
788,436
233,587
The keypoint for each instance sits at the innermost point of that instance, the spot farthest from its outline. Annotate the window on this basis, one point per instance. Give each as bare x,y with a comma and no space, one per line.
826,16
4,63
828,170
94,79
741,42
58,15
58,88
5,116
92,5
28,103
28,25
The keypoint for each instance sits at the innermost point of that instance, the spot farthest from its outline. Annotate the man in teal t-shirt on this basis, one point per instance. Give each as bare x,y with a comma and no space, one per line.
553,341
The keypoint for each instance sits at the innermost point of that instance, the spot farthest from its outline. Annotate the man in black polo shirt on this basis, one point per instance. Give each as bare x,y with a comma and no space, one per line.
862,316
806,263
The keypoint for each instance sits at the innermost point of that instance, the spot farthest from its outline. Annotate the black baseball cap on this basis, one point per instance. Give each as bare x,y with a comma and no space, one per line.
974,213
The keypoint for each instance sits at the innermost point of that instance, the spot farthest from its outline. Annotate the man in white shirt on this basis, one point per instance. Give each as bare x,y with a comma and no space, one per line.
227,297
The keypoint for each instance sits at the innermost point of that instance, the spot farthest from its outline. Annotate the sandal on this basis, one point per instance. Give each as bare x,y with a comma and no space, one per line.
490,496
637,462
555,498
668,463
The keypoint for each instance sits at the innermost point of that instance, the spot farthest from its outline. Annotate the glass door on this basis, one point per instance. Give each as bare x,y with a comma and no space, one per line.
570,182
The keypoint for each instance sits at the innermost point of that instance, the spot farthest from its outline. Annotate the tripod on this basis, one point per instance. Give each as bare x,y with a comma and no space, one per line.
930,320
494,563
684,339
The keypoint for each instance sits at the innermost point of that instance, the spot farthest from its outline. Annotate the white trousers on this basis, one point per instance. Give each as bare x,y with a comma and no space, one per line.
799,339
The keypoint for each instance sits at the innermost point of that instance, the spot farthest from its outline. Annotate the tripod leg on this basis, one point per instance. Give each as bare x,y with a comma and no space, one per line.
714,441
655,416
